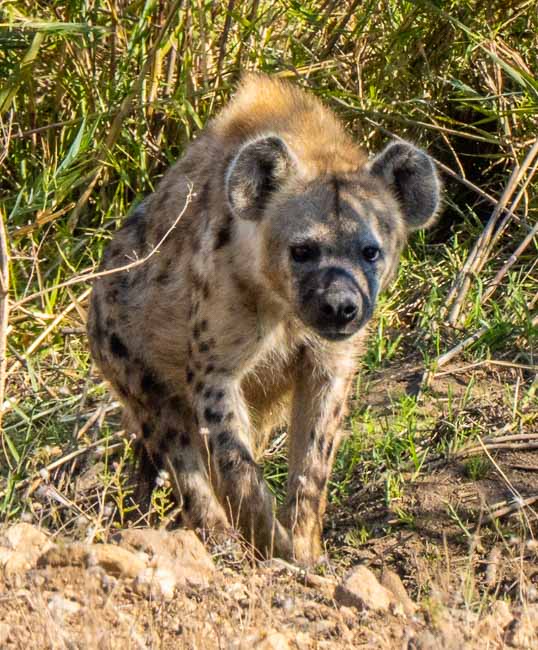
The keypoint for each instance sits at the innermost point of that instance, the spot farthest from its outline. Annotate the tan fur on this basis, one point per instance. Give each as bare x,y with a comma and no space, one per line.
206,343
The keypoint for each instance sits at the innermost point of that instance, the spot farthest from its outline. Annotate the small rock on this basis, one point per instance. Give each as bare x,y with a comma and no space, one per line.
425,640
361,589
178,551
392,581
158,583
303,641
113,559
271,641
4,634
239,593
20,547
523,632
60,606
24,536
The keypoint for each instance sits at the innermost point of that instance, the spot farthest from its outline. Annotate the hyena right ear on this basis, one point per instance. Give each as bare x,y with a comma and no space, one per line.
410,173
259,168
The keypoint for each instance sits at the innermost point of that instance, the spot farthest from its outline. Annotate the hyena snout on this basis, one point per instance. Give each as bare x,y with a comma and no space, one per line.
335,306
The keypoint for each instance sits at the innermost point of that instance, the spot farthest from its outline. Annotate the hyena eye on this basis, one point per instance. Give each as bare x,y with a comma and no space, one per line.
304,252
370,253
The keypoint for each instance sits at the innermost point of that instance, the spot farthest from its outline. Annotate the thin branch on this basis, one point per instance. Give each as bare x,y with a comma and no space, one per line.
515,506
88,275
4,311
44,471
508,265
478,254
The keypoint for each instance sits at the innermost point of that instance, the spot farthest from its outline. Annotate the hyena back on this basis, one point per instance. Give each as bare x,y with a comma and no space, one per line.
252,313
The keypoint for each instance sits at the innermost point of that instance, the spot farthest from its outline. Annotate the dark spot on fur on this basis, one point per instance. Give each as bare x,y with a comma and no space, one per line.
203,195
176,404
147,470
337,412
204,347
189,375
184,439
112,296
223,438
336,190
196,331
163,277
197,282
312,435
205,290
234,456
212,417
146,430
117,347
150,384
203,326
209,368
224,234
229,417
186,498
208,393
199,387
171,434
197,365
122,390
329,449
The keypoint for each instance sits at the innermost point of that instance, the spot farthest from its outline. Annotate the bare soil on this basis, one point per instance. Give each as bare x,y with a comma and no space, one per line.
473,576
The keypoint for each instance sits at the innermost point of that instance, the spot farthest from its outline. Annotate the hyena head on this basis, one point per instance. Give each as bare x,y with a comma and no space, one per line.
328,243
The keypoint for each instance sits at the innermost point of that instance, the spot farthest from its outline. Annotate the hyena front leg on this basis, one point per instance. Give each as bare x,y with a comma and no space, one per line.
173,443
237,479
318,405
221,414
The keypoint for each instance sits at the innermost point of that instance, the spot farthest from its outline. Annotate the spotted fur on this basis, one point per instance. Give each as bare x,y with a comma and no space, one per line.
253,313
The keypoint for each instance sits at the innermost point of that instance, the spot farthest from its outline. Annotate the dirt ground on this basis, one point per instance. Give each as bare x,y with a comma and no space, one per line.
462,547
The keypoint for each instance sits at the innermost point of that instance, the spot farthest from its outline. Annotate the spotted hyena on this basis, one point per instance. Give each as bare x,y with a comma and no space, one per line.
252,313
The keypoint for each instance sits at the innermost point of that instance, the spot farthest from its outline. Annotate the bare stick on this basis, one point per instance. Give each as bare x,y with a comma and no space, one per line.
88,275
511,261
462,345
478,254
65,459
516,506
4,311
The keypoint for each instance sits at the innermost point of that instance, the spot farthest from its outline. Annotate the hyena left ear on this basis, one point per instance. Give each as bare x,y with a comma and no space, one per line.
258,170
411,175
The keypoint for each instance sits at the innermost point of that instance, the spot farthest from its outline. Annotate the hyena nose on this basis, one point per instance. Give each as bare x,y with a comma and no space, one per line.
339,308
